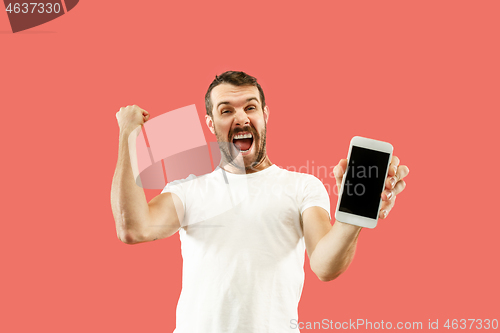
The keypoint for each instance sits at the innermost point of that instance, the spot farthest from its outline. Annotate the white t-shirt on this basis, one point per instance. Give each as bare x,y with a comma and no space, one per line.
243,249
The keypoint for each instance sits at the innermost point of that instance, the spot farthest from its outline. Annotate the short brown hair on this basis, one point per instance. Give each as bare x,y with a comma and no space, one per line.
237,79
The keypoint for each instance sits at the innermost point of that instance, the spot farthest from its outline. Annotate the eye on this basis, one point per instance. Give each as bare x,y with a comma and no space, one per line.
251,107
225,111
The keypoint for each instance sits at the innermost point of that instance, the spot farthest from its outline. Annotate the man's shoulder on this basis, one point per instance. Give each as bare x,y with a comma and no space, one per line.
297,175
191,180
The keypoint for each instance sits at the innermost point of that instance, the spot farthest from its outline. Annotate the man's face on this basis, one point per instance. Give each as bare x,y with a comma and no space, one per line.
238,118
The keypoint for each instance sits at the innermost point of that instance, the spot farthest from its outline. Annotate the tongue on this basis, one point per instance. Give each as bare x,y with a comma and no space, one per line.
243,144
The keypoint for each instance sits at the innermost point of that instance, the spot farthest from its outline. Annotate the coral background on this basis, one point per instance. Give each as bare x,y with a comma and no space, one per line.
423,76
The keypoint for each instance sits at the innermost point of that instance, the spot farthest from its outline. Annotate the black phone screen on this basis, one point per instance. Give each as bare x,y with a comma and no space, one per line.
364,182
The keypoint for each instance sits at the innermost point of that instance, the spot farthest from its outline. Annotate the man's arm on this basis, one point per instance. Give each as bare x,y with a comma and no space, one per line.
330,248
136,220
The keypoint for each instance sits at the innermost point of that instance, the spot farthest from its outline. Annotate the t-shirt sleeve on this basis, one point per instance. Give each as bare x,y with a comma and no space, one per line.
178,187
314,194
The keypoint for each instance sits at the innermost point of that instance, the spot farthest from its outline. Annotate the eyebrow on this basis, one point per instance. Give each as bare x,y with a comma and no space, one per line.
226,103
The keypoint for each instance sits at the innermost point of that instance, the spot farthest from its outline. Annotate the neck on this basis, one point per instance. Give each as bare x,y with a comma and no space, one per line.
232,168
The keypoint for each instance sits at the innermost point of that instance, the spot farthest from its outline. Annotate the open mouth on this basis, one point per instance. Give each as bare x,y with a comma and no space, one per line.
243,141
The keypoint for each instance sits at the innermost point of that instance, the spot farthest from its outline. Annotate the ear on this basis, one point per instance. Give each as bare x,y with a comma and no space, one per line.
210,123
266,113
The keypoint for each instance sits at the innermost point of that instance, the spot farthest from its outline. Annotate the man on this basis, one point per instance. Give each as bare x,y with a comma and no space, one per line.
244,227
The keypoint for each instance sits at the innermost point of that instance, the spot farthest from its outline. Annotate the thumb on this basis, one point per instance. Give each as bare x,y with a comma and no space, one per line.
145,115
339,172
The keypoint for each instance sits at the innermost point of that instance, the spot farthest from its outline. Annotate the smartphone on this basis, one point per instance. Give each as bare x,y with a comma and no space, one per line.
360,198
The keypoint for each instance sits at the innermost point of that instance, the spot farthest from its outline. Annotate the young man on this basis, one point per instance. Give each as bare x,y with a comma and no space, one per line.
245,227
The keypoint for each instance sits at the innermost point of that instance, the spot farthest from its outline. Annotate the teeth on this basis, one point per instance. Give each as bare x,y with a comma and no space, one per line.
244,136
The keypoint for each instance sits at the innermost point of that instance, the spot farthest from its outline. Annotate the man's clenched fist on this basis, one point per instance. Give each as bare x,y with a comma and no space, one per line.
131,117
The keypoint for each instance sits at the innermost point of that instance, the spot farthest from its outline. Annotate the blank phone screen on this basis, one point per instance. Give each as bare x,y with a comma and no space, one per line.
364,182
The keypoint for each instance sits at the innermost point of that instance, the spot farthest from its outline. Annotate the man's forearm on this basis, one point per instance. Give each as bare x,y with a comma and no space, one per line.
128,201
335,251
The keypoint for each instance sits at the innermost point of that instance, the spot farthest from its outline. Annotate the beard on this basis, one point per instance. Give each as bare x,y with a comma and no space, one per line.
230,152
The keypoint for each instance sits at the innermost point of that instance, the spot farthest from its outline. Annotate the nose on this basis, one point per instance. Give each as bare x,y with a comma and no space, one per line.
241,118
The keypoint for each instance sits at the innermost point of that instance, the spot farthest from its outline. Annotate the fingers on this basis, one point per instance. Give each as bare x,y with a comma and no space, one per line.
393,167
389,198
389,193
403,171
400,186
391,181
386,208
394,185
133,108
131,116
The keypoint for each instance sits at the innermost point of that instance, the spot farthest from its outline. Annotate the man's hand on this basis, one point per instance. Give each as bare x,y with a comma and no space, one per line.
394,184
131,117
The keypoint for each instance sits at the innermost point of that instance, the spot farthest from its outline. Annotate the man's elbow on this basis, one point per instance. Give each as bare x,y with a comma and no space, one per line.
128,232
330,276
128,237
327,278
